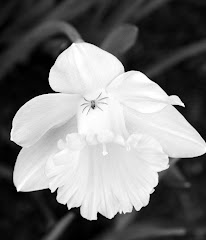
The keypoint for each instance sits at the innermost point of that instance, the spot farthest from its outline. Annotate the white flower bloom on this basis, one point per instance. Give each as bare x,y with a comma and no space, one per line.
102,140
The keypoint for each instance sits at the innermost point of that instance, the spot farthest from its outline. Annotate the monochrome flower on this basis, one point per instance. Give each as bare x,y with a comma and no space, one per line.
101,141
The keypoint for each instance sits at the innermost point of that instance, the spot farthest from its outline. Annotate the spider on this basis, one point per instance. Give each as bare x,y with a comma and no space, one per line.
93,103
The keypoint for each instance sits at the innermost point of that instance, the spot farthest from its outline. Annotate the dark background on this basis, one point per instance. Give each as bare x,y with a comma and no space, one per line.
169,46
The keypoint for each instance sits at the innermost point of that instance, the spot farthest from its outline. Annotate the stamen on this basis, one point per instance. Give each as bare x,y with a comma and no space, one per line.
104,152
128,147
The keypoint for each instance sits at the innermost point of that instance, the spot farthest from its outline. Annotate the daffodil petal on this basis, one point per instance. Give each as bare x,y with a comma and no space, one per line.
29,171
40,114
137,91
177,137
107,184
83,67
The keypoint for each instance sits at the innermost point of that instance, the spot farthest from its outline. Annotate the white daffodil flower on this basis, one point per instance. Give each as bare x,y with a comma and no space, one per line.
102,140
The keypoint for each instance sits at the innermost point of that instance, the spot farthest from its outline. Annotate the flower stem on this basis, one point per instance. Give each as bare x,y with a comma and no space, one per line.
21,49
68,30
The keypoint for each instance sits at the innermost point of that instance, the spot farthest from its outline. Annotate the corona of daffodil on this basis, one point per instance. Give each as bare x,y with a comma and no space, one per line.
102,139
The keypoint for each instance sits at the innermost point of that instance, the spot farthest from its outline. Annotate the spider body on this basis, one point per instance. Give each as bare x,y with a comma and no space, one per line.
92,104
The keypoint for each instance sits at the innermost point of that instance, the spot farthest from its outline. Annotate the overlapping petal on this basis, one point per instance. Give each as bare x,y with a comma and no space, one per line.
40,114
29,171
107,184
136,90
82,68
177,137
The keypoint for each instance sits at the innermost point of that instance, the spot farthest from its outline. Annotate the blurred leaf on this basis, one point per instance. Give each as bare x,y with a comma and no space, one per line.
6,11
121,39
65,10
147,230
103,6
176,57
125,11
25,18
172,162
149,8
192,210
69,9
151,230
175,178
134,10
36,12
42,205
55,46
60,227
21,49
6,173
123,220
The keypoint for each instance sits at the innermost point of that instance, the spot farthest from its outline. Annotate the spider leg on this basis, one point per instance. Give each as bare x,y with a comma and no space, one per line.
86,100
102,103
99,96
102,98
99,108
84,104
88,110
85,108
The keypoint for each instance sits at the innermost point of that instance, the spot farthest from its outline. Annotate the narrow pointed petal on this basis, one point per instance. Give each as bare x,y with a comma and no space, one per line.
137,91
29,171
83,67
107,184
40,114
177,137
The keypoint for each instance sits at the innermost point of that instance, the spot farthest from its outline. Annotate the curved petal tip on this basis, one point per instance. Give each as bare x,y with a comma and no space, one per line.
175,100
77,69
175,134
203,148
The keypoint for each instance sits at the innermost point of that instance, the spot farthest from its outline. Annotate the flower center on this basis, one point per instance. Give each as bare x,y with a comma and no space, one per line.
76,142
100,120
93,113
